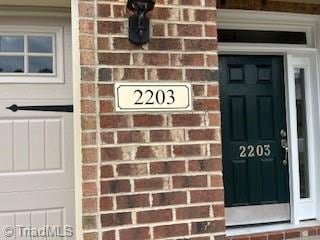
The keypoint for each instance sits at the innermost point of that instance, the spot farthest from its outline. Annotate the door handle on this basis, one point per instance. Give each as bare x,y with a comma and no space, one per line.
49,108
284,145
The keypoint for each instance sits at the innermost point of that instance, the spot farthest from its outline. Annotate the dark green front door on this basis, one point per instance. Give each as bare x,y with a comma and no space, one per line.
253,114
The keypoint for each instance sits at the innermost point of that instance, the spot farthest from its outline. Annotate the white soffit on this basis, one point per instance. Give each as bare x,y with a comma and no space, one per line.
37,3
298,1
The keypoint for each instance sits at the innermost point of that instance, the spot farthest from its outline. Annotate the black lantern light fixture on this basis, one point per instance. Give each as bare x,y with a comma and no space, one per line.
139,22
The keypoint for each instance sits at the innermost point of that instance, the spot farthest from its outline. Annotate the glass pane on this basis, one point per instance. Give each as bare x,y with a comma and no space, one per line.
39,44
11,44
302,133
11,64
40,65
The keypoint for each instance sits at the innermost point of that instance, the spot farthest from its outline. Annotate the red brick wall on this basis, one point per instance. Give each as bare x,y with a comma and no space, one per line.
150,175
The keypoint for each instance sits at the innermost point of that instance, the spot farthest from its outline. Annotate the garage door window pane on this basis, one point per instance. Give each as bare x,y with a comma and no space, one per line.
39,44
11,64
40,65
12,44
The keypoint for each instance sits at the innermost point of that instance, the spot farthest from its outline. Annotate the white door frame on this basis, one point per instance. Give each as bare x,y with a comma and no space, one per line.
294,56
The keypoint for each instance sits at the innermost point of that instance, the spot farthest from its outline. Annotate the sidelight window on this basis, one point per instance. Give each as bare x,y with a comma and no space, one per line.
302,132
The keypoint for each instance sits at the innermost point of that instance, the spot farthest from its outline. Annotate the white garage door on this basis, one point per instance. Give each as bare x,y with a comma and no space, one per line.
36,131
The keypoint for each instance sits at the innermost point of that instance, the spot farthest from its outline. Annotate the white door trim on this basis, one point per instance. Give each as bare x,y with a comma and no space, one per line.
241,19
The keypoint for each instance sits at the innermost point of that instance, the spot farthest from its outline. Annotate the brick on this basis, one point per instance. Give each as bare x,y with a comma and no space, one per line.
193,212
105,90
259,237
89,222
170,198
211,60
87,42
166,167
144,120
129,74
88,106
154,216
191,30
120,43
211,31
139,169
87,58
208,227
187,150
103,10
184,120
198,90
133,201
87,74
115,219
205,15
202,134
120,11
218,210
89,138
198,196
114,121
206,105
105,74
106,171
135,233
109,235
106,203
187,59
214,164
90,236
158,30
149,184
200,44
104,43
114,58
87,90
86,10
115,186
214,119
111,154
151,59
86,26
110,27
201,75
161,44
89,189
213,90
276,236
161,232
165,74
89,172
292,234
153,152
167,135
89,205
189,181
215,149
106,106
216,181
131,136
107,137
89,155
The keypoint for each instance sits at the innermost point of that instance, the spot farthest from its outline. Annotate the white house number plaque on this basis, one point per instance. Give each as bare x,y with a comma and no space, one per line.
146,96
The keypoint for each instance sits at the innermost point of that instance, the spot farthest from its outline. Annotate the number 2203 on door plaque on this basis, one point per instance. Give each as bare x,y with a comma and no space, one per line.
146,96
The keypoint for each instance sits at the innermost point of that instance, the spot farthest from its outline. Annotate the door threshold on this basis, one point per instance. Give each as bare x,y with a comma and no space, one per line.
249,230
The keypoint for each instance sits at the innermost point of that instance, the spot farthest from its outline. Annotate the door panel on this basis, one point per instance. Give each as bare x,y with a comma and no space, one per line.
253,114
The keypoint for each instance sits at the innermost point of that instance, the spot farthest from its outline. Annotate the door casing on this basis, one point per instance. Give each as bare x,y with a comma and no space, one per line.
241,19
